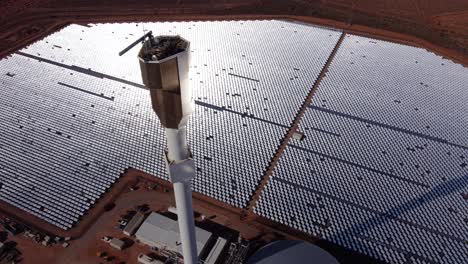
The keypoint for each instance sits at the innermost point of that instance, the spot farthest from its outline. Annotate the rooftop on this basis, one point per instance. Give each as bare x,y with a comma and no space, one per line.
161,230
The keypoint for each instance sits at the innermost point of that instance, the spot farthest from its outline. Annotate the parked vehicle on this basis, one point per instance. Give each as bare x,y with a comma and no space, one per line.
106,239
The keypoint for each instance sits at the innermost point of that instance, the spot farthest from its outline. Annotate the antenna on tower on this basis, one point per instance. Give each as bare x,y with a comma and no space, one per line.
144,46
142,40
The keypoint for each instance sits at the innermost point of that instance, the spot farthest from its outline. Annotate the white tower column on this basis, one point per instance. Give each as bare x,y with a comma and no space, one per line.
178,157
164,63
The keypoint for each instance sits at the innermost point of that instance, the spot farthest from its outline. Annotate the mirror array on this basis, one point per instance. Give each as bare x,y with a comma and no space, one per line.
75,114
383,168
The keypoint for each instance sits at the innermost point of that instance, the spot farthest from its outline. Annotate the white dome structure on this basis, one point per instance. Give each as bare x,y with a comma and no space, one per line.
291,251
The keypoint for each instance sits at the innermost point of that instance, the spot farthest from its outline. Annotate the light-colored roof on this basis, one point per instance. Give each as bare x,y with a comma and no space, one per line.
115,242
134,224
163,230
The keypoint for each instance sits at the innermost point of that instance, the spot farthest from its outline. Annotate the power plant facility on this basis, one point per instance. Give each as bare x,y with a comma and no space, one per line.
244,140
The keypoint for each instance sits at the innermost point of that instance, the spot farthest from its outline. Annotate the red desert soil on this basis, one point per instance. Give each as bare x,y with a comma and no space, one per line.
98,223
436,25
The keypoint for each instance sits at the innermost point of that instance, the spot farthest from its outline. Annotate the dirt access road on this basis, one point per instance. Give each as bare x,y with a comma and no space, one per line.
440,26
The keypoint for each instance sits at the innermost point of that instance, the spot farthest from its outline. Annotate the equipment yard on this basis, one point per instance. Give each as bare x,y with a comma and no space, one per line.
143,189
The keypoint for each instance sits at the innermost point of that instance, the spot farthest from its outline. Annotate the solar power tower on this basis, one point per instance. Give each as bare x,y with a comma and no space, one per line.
164,63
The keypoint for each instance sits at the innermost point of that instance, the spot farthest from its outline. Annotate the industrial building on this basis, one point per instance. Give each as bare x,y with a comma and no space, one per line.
134,223
381,168
163,232
117,243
